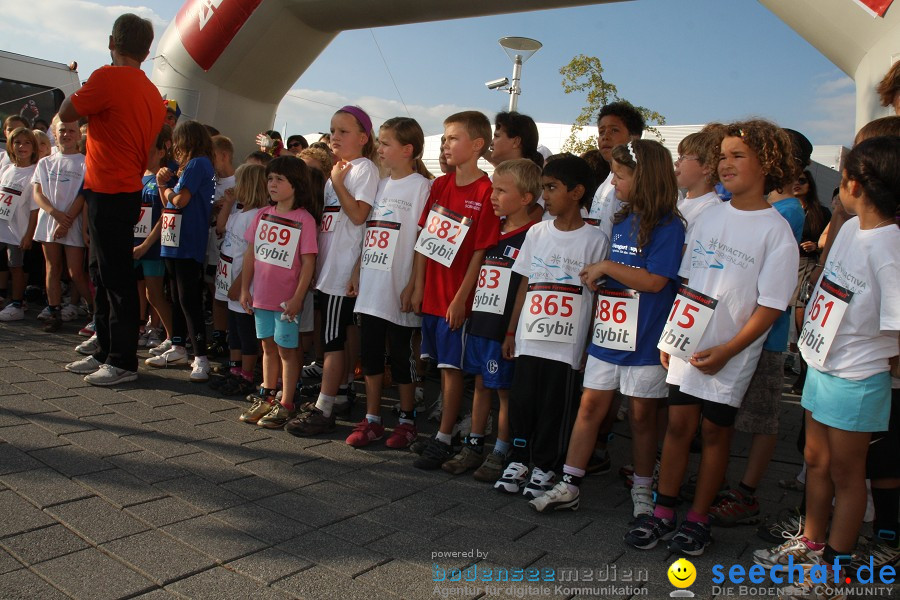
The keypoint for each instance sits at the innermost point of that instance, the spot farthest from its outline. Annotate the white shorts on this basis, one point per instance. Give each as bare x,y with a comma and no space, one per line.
647,381
307,318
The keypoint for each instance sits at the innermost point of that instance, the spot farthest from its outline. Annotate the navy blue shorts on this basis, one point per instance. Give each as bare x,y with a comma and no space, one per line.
484,357
442,345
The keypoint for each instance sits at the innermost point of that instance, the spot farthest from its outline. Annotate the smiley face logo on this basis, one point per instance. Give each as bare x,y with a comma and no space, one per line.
682,573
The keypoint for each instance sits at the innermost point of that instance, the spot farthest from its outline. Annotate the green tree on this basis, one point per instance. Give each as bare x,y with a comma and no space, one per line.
585,74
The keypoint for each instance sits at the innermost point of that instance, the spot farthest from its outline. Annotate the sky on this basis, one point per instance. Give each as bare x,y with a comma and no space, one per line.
693,61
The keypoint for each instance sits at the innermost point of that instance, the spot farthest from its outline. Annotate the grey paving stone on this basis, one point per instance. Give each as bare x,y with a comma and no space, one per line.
44,389
500,551
212,403
101,443
8,419
304,509
413,548
151,396
285,448
567,521
162,444
148,466
254,487
351,499
139,411
13,400
227,450
103,395
323,584
203,494
333,552
25,585
380,481
180,431
44,487
189,413
31,437
117,424
71,460
352,457
12,460
43,544
8,562
76,574
214,538
210,467
465,489
157,594
219,583
96,520
164,511
359,530
261,523
288,475
70,381
493,523
235,430
59,422
26,518
119,487
406,579
269,565
79,406
18,375
158,557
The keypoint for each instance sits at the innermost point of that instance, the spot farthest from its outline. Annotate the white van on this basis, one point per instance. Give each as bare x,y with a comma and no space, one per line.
32,87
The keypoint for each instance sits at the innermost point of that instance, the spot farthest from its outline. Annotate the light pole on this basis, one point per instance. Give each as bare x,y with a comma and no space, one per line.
519,49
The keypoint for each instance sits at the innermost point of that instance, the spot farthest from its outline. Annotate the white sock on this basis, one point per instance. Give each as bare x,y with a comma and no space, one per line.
325,404
373,419
444,437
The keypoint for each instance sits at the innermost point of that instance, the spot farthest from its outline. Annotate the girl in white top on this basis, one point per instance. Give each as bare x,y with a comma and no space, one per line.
386,279
695,171
57,186
849,333
18,213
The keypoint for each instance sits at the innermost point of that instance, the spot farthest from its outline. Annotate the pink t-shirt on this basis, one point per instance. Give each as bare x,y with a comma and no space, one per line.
278,240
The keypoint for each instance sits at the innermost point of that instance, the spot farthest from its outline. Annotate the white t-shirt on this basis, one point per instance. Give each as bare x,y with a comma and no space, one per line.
233,246
397,201
61,177
4,160
742,259
866,262
17,196
551,256
605,206
334,268
214,240
690,208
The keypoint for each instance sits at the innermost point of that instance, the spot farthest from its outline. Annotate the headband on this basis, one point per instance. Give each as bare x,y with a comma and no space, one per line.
361,116
631,152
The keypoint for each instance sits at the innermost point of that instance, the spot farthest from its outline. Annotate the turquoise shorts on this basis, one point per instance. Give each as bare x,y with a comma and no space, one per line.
270,325
863,405
151,268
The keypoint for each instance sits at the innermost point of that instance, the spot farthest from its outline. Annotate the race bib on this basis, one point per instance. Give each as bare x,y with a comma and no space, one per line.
224,275
591,221
331,215
145,222
379,245
616,319
443,235
276,240
823,316
687,321
493,288
551,312
171,227
10,200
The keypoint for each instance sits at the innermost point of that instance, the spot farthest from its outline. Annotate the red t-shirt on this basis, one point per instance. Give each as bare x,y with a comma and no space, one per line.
472,201
126,114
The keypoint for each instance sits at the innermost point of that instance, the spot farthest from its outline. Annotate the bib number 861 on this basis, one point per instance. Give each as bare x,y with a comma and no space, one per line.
548,305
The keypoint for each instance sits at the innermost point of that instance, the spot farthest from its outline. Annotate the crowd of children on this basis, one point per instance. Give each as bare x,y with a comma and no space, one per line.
557,294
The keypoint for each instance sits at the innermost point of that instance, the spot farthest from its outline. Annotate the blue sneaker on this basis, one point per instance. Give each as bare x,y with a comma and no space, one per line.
648,530
692,538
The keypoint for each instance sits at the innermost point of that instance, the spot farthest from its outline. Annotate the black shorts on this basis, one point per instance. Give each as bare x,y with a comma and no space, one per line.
716,413
242,333
373,333
882,462
337,315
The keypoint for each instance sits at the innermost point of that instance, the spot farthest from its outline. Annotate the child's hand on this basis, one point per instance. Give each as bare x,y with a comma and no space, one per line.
456,315
509,347
353,284
415,300
228,198
293,307
664,359
60,232
339,171
163,176
234,292
247,302
406,295
808,246
710,362
138,252
591,273
65,221
26,242
264,142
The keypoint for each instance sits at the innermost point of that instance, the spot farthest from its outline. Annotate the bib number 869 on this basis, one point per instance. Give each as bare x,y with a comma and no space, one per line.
273,234
548,305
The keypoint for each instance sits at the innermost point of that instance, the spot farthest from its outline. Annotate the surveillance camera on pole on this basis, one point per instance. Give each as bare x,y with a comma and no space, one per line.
519,49
497,84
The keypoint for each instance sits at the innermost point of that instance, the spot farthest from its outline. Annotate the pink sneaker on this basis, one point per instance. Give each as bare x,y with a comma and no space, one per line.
365,433
404,435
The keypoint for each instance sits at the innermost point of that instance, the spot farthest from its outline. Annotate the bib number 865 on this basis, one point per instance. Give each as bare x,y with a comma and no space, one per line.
548,305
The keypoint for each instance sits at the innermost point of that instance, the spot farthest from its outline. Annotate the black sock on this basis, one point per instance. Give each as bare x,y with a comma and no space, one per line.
667,501
408,415
475,443
829,555
572,479
746,489
887,507
219,335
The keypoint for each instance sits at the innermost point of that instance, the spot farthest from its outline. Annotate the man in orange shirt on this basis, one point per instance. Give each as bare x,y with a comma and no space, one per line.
126,113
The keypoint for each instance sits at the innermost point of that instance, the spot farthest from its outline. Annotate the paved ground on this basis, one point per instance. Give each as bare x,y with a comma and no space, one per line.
155,490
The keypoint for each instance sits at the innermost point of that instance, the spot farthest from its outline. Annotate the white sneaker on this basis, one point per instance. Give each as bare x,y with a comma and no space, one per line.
559,497
541,482
161,348
199,369
642,498
312,371
176,355
84,366
110,375
88,346
154,338
70,312
513,478
12,313
45,315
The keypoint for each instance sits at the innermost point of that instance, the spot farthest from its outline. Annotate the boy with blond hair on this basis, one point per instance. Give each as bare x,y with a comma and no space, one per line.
457,226
696,172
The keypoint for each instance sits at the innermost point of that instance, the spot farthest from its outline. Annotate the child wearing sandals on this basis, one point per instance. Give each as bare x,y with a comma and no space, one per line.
739,270
850,332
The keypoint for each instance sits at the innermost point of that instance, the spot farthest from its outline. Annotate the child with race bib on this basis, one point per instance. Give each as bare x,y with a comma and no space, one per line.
349,196
635,289
695,171
516,185
386,280
550,322
57,191
738,271
185,227
849,334
279,265
18,214
239,208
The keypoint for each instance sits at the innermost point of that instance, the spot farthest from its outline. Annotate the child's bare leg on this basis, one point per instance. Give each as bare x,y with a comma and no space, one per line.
452,388
75,262
819,486
713,463
644,438
848,473
683,420
290,373
271,363
53,260
594,407
503,432
481,406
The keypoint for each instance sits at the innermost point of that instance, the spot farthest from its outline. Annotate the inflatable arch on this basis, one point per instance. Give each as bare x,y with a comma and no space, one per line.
226,62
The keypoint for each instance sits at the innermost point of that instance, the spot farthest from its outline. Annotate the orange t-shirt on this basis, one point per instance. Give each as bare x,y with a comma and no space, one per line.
125,113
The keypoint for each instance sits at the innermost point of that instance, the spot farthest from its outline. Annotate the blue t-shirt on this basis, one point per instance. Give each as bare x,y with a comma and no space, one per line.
150,201
792,211
662,256
198,177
